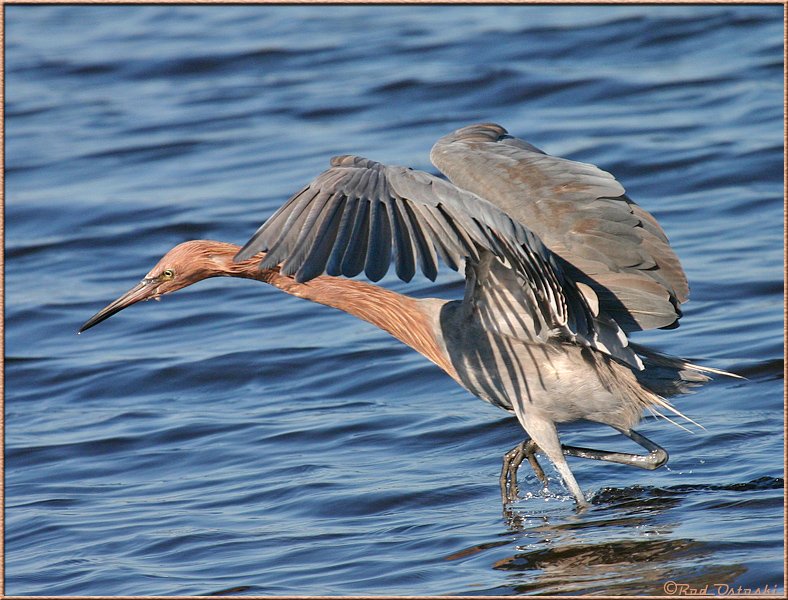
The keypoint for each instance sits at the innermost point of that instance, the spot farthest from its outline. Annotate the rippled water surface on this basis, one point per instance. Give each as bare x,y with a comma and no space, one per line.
233,438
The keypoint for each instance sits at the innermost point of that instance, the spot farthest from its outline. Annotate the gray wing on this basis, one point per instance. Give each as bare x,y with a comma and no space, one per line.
352,217
580,213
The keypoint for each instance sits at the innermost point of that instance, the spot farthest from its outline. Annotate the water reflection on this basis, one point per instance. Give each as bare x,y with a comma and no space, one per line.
619,567
637,551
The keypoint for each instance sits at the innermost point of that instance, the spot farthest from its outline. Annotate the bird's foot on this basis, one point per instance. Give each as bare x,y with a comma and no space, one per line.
511,462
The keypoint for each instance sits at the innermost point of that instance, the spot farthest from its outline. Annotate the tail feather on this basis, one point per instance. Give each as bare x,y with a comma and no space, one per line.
671,375
668,360
667,375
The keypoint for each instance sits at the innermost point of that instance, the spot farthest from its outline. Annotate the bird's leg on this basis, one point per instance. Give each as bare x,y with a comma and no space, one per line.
656,457
512,461
545,437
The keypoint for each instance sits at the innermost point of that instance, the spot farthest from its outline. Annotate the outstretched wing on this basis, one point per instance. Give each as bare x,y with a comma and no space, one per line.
580,213
352,217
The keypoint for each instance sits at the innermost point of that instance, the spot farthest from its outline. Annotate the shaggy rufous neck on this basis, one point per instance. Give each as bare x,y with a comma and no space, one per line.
395,313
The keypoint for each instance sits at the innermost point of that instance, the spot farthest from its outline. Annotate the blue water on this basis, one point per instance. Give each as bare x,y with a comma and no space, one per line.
235,439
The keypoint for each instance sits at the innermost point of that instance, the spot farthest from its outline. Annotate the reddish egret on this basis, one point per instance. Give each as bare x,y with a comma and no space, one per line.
559,266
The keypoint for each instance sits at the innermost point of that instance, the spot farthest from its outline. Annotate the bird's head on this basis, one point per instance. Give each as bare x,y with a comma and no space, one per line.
182,266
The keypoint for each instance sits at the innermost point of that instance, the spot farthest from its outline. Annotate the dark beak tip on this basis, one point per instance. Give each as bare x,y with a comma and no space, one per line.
142,291
86,326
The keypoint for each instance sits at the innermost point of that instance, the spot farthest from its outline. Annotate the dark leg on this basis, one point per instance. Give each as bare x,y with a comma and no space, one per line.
656,457
511,462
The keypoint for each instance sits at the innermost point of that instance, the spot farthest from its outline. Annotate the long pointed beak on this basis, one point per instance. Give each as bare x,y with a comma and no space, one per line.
144,290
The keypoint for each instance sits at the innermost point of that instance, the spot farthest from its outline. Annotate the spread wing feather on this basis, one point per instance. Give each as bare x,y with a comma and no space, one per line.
358,213
581,213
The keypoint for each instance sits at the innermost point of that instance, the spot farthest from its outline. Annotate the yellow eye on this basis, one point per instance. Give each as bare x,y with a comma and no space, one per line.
168,274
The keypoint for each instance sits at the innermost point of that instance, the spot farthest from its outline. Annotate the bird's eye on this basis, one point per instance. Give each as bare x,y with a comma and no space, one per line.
168,274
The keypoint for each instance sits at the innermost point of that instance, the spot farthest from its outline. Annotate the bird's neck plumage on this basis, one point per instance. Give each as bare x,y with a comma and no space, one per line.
399,315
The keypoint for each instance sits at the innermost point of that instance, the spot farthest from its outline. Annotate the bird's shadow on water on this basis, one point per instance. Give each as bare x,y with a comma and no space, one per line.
622,544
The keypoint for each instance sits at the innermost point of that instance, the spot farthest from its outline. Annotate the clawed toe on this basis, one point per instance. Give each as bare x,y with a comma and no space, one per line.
511,462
